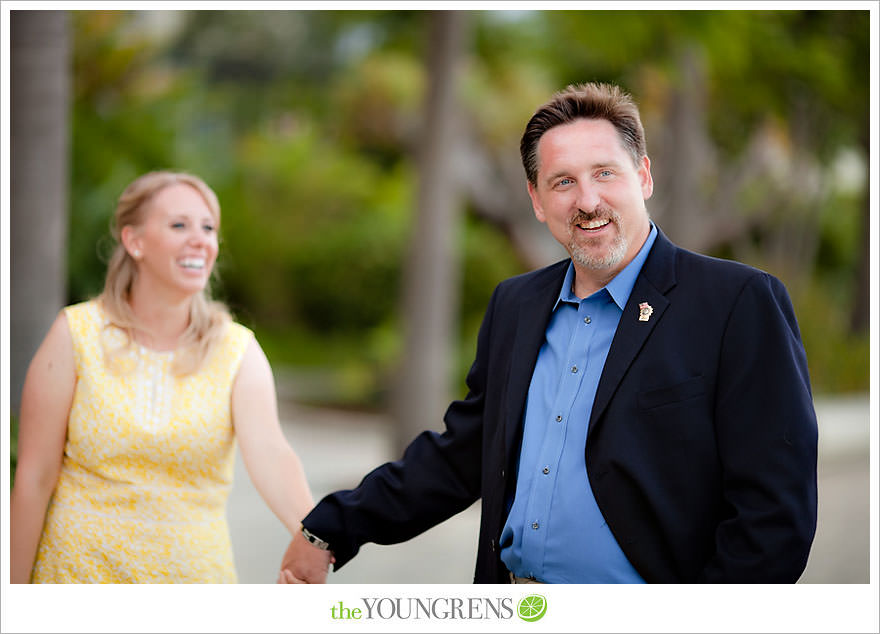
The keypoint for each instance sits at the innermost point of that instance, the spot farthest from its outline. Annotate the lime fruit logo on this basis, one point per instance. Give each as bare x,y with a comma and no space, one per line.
532,607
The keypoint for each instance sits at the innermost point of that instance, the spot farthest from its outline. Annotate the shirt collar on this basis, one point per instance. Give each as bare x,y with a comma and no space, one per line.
620,287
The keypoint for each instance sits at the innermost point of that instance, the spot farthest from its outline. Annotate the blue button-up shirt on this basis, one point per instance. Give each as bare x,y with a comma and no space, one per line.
555,531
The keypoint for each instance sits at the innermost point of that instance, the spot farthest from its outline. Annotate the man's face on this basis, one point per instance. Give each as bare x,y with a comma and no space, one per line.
591,195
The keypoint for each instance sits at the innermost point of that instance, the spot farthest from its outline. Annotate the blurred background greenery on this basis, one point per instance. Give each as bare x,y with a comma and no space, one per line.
308,125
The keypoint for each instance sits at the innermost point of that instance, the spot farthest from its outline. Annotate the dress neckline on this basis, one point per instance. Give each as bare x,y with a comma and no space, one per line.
137,344
152,351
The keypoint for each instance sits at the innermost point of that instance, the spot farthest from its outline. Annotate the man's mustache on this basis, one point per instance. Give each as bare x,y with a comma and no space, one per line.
600,213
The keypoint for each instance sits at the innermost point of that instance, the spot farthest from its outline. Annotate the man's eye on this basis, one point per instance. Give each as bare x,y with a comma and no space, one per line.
565,181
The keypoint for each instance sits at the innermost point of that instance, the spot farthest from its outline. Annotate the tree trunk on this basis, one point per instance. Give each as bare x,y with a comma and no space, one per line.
685,158
431,278
40,77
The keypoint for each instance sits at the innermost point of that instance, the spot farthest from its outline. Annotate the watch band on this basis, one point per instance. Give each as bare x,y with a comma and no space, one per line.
314,540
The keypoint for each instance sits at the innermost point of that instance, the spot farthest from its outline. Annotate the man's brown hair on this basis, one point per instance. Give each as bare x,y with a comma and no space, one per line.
584,101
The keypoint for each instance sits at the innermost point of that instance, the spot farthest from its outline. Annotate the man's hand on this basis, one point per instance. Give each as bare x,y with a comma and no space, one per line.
304,563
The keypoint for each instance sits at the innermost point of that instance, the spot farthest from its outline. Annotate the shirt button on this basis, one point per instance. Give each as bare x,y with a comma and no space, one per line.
574,369
587,320
535,525
546,470
558,418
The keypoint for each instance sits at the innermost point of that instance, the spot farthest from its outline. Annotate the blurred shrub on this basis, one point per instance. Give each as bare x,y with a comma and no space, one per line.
314,235
838,360
306,125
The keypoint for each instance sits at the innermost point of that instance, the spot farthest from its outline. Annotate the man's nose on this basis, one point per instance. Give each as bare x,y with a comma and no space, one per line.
587,196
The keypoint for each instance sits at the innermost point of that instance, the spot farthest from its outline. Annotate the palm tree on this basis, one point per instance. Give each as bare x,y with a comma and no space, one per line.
431,275
40,97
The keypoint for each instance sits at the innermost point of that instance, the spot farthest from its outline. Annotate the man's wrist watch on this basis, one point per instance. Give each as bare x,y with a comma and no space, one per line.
314,540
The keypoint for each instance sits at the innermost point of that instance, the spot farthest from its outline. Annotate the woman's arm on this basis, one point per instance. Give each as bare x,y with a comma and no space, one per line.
45,407
274,468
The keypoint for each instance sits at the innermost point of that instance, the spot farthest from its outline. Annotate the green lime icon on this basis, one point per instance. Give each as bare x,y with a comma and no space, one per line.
532,607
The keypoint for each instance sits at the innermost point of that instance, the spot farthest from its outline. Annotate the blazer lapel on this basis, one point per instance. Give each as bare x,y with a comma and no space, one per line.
656,278
533,314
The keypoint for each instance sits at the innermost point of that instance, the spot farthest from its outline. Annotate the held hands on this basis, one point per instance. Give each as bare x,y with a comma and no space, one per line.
304,563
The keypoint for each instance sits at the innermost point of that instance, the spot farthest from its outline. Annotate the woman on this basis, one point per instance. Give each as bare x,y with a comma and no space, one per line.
131,407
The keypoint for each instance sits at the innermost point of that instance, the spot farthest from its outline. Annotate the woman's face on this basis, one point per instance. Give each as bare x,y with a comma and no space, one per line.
176,246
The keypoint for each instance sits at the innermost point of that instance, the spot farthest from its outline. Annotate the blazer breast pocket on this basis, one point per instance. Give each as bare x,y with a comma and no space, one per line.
672,394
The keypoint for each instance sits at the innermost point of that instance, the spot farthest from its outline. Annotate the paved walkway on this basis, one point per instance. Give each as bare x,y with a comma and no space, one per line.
338,448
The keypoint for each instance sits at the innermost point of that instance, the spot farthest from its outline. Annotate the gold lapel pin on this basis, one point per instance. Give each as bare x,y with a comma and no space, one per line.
645,311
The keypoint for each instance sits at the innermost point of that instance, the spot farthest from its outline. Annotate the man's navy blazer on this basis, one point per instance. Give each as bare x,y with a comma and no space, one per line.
701,446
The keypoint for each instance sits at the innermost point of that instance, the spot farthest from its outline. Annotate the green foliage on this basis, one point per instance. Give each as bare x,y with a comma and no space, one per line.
487,258
305,123
318,234
838,359
123,114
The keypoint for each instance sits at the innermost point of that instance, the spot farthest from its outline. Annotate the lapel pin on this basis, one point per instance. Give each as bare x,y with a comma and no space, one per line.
645,311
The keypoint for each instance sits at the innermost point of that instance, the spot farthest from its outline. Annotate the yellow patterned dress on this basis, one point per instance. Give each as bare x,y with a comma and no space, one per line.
147,467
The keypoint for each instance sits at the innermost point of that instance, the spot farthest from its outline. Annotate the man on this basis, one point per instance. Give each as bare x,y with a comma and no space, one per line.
636,413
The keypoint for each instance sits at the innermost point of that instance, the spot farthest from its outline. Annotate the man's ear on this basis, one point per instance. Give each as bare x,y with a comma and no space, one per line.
536,204
645,178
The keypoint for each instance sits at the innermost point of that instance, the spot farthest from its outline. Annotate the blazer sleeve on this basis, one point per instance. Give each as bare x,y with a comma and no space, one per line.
767,440
437,477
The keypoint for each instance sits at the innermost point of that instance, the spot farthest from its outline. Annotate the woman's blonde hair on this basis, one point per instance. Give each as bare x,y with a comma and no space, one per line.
207,318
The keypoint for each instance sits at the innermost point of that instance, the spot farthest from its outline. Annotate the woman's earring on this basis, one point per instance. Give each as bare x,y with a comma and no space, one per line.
136,254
